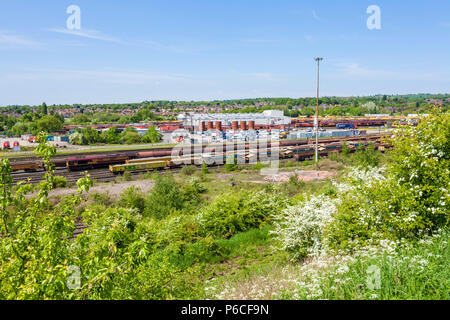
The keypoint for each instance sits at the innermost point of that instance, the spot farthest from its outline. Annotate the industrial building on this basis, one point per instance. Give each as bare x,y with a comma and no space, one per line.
234,121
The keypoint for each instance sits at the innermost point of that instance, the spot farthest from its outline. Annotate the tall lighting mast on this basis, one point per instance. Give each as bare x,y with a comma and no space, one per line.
316,119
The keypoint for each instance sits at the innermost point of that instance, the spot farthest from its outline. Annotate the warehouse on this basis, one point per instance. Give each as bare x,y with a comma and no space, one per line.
208,121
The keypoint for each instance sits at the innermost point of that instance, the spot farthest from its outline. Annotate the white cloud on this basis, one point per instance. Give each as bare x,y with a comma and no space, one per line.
354,71
105,76
86,33
10,40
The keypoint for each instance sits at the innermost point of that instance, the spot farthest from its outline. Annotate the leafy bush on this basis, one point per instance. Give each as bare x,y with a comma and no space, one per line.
101,198
299,228
110,136
407,200
114,258
192,192
188,170
152,135
236,212
230,164
59,182
293,186
164,198
289,164
345,150
132,198
367,156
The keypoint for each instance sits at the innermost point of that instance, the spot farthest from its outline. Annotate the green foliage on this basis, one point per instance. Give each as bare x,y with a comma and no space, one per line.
132,198
289,164
164,198
35,250
231,164
152,135
76,138
237,212
293,186
345,150
395,271
204,168
44,109
80,119
367,156
115,255
130,137
188,170
411,201
110,136
100,198
49,124
90,135
192,192
59,182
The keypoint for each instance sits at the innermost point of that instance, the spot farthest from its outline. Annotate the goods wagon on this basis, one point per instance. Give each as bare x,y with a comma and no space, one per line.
143,160
139,166
26,166
98,161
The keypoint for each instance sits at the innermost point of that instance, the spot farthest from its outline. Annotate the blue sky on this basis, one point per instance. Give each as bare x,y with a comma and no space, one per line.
130,51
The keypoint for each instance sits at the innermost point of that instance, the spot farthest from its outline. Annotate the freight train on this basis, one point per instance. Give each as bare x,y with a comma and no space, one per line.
298,152
298,148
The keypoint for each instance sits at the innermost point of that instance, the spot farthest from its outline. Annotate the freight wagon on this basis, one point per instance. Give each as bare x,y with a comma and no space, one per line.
139,166
26,166
98,161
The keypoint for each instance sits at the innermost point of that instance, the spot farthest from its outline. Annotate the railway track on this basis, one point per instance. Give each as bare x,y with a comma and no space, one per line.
104,175
60,160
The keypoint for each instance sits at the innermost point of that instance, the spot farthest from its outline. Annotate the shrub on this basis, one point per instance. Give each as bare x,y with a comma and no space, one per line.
345,149
164,198
241,211
230,164
130,137
101,198
127,176
412,200
132,198
293,186
367,157
188,170
191,193
289,164
299,228
59,182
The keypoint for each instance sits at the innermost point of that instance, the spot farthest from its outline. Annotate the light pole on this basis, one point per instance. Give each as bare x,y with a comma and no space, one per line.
316,120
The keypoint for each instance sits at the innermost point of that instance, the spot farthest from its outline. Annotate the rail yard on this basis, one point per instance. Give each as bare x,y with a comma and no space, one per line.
104,167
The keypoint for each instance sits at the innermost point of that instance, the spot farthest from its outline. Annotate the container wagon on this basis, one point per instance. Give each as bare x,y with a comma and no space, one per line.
139,166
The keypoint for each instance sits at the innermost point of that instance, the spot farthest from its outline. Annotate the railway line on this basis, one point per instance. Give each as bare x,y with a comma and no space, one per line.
137,166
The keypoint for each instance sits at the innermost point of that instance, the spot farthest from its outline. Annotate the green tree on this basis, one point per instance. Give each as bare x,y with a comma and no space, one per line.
44,109
49,124
90,135
130,136
80,119
151,136
20,128
110,136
